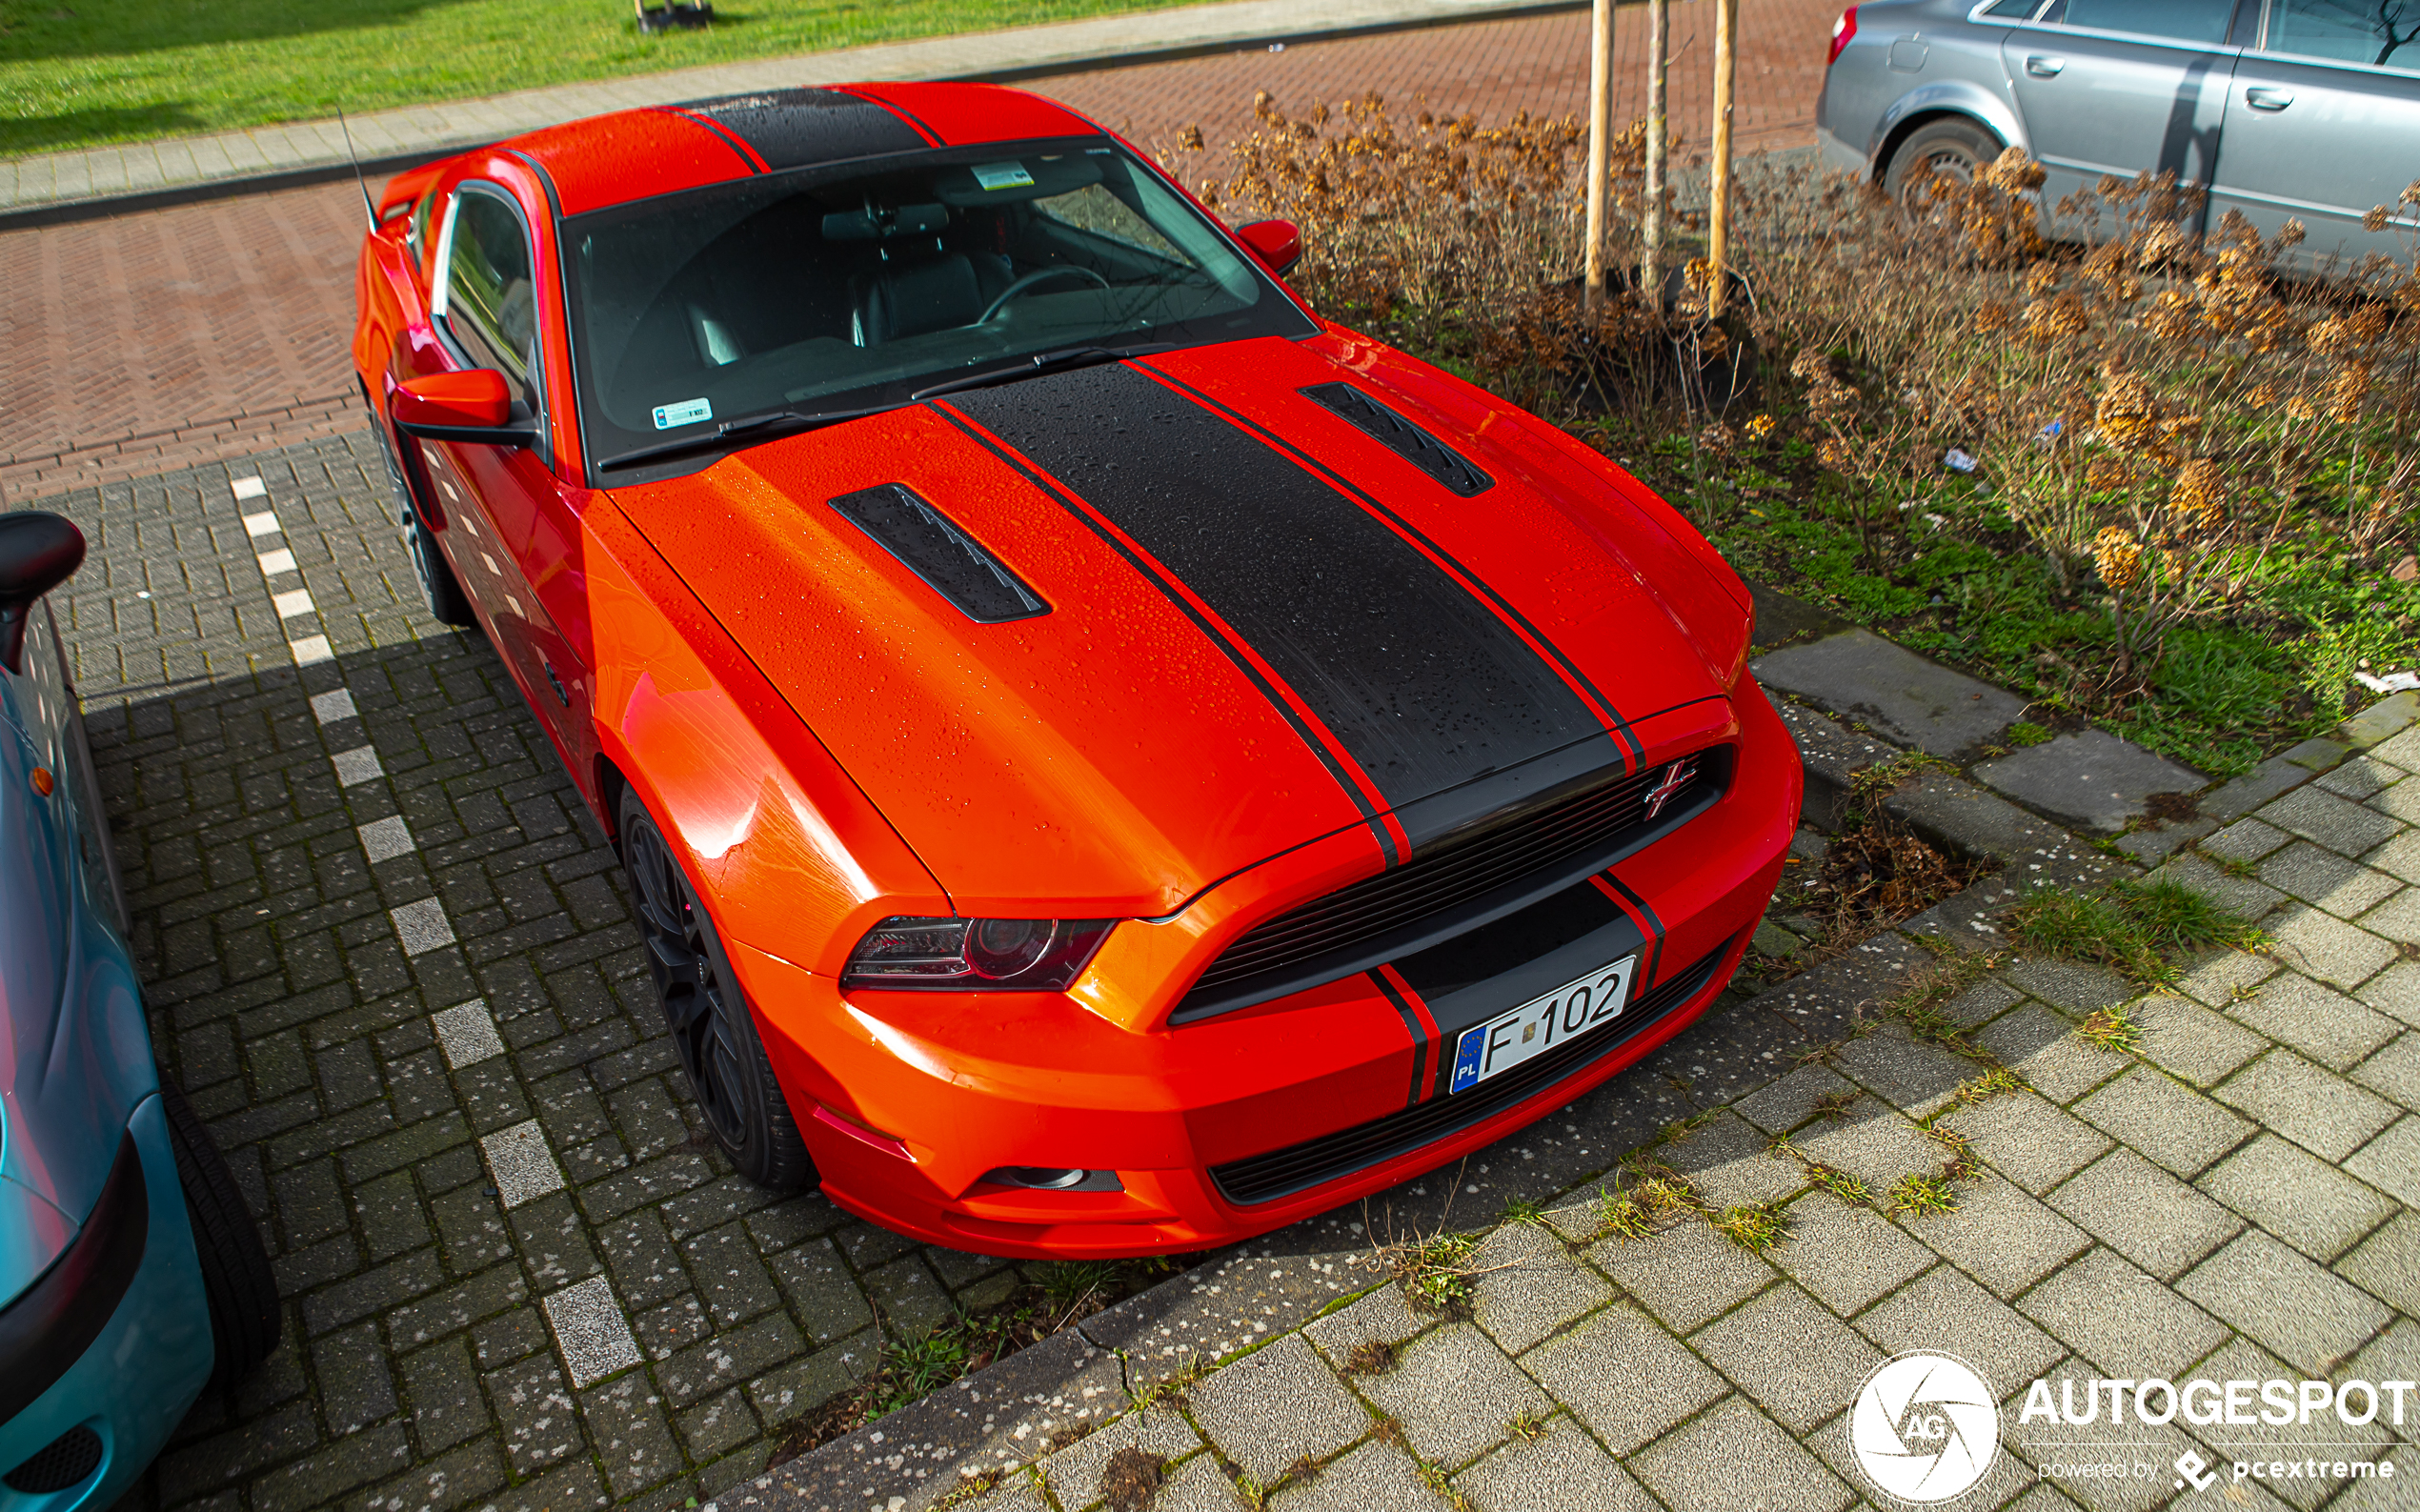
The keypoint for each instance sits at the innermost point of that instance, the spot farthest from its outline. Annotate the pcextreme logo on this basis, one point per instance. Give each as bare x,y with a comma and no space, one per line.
1925,1427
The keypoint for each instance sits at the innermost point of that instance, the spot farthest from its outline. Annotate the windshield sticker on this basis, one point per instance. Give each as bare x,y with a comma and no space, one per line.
1002,175
688,412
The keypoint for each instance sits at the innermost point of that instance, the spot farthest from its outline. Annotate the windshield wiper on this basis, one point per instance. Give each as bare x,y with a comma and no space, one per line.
1041,362
747,425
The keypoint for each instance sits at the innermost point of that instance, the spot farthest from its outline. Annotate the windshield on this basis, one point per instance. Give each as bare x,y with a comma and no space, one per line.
835,291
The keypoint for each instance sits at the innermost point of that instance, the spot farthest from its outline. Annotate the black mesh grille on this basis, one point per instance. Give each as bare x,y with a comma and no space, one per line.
1430,884
65,1462
1280,1173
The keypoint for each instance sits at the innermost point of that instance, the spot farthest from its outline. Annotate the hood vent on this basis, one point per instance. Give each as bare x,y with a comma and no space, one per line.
1407,440
952,561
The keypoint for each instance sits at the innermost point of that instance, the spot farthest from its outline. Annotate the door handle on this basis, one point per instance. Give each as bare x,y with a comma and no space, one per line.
561,695
2261,97
2042,68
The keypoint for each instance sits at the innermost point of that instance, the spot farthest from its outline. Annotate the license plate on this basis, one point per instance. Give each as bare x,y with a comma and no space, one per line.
1571,1010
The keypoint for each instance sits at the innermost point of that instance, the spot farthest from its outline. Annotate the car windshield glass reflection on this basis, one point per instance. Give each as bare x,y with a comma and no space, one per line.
823,292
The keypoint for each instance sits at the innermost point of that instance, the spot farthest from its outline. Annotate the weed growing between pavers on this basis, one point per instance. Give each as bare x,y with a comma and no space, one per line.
1753,1226
1831,1179
1371,1357
1131,1478
2112,1029
1916,1194
2130,926
1529,1427
972,1488
1167,1394
1992,1083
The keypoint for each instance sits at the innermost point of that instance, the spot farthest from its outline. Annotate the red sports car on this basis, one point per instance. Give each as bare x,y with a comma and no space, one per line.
1108,761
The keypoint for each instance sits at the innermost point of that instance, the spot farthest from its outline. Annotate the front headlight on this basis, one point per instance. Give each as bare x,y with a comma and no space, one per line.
975,955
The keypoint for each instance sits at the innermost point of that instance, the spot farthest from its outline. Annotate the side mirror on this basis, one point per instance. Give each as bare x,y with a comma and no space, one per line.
38,552
470,406
1277,243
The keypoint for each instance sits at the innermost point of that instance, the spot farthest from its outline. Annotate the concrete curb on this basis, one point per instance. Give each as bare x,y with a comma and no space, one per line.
1026,52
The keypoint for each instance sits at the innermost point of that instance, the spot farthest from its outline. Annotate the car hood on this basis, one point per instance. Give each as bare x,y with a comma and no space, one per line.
1266,621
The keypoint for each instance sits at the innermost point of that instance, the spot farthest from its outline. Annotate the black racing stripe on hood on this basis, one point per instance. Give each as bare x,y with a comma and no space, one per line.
798,127
1421,683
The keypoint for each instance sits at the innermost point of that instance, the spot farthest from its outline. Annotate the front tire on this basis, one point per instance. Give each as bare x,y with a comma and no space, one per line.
236,1277
439,588
713,1032
1951,145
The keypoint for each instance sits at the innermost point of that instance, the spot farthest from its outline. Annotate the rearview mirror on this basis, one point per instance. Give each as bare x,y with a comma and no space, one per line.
475,405
38,552
1277,243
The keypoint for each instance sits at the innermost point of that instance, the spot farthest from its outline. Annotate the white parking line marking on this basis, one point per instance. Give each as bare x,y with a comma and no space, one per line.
294,604
521,1163
356,766
422,926
280,560
249,488
468,1034
311,649
385,839
590,1331
264,523
329,707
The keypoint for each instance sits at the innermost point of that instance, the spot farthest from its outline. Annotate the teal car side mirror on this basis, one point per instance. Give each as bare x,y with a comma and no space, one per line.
38,552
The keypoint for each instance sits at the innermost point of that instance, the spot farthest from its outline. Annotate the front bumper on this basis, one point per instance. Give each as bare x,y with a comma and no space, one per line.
1236,1125
132,1383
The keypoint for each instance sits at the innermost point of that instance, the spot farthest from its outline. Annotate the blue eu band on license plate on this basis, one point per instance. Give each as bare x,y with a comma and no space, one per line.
1580,1006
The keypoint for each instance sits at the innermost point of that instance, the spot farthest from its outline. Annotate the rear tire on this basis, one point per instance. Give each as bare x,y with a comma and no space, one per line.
244,1316
714,1030
1952,145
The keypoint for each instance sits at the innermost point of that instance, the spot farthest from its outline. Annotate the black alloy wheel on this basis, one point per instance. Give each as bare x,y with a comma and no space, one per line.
1951,147
714,1033
439,588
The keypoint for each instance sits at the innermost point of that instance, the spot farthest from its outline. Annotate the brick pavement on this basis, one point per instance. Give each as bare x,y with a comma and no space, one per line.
142,343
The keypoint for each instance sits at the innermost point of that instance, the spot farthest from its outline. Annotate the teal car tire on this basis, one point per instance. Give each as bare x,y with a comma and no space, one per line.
242,1288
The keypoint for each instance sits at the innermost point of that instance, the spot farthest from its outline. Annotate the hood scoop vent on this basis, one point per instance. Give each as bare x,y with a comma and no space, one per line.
1405,439
953,563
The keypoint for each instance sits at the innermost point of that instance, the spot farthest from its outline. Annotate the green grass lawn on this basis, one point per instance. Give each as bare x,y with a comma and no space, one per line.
76,72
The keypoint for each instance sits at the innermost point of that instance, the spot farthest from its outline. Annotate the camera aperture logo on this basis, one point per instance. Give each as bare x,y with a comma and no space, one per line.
1925,1427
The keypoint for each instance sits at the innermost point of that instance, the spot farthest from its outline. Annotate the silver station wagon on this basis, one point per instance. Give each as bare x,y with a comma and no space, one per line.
2303,109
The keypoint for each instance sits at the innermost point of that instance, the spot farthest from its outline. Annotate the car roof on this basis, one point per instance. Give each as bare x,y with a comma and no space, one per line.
606,160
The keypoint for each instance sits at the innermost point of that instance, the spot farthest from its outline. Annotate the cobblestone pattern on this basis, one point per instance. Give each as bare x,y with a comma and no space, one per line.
391,958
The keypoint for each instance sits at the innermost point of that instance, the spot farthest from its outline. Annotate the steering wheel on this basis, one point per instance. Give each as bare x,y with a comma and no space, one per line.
1040,275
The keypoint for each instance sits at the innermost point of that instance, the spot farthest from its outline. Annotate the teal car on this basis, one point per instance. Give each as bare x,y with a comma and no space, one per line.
132,1277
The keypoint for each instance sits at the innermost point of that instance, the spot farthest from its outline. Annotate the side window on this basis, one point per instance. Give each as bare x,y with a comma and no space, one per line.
2202,21
2380,33
490,304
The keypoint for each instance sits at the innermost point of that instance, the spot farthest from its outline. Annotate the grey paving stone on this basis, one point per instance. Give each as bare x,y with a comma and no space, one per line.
1907,700
2247,840
1943,1309
1729,1162
2323,1114
2392,1355
1623,1377
2090,778
2002,1480
2339,954
2306,1316
2027,1139
1847,1256
2000,1236
1915,1079
2068,1457
2387,1266
2219,978
2326,820
2145,1214
1872,1142
2076,986
2191,1043
2121,1319
2254,788
1074,1473
2238,895
2398,917
1455,1392
1683,1274
2156,843
1790,1354
2327,880
1561,1469
1383,1315
1374,1477
2326,1025
2040,1046
2394,1072
2391,1161
1530,1286
2299,1198
2326,1437
1275,1405
2176,1127
1735,1457
1199,1486
1780,1106
2395,991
